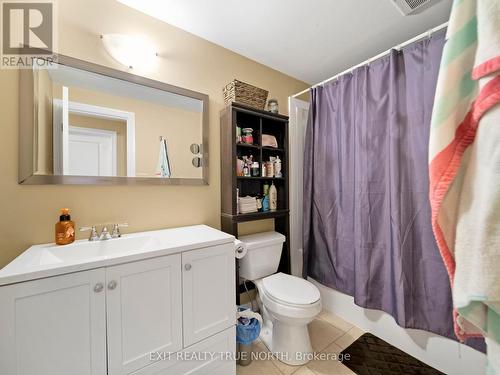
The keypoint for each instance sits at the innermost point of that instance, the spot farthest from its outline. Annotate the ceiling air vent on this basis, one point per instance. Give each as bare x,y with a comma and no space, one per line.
407,7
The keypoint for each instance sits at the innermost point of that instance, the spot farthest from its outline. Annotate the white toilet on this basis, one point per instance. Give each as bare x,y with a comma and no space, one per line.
287,303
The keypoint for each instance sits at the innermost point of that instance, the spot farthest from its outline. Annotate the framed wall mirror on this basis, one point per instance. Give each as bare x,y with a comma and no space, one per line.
82,123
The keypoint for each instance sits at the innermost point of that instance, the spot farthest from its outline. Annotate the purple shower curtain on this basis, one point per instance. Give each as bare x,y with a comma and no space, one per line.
367,220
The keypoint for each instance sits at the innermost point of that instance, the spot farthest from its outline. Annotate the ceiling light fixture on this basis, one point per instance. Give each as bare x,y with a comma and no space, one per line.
134,52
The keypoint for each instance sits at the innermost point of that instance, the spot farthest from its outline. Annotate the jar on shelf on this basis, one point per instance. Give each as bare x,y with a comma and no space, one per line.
238,134
272,106
247,136
269,169
255,169
239,167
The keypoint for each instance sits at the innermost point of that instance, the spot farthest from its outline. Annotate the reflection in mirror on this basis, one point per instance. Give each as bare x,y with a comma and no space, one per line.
89,124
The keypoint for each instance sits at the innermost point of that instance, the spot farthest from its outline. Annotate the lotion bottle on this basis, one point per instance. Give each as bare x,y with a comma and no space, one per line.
273,198
65,228
265,198
277,167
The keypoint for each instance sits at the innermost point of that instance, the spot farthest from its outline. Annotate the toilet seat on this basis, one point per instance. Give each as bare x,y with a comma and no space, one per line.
290,290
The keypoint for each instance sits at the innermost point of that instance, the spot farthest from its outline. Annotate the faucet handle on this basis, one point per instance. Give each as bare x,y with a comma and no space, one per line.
93,232
116,230
105,234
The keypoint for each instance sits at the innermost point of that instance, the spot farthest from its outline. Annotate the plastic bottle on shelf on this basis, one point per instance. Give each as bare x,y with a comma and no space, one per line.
273,198
255,169
238,134
277,167
259,203
270,169
265,189
265,203
265,198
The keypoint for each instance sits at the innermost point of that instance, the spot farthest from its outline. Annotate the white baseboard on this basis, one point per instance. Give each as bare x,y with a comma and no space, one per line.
441,353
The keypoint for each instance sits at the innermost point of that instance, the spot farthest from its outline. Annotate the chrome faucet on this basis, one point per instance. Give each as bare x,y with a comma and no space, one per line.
116,230
93,233
105,235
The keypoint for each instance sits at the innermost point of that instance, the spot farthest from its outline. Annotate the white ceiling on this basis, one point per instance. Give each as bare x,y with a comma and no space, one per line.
307,39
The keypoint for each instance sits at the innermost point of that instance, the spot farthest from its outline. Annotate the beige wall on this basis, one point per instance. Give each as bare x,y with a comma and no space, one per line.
28,213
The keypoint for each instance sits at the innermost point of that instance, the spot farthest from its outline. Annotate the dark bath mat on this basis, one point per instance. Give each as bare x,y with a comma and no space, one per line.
370,355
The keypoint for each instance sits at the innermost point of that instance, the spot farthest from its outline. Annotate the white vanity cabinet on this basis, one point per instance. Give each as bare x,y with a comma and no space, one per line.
141,317
54,326
208,292
143,312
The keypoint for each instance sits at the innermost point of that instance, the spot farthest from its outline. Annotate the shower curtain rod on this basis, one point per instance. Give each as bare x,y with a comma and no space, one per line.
398,47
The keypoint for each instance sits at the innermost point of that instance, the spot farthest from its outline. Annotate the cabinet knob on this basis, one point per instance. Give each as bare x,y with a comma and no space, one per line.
98,287
112,285
187,267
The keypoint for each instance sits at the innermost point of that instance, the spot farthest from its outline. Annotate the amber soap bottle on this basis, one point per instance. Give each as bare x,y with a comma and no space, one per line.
65,228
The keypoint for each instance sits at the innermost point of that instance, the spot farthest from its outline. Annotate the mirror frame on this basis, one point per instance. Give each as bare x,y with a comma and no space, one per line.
27,123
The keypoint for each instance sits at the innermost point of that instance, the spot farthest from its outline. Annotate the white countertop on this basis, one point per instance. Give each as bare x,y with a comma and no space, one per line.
50,260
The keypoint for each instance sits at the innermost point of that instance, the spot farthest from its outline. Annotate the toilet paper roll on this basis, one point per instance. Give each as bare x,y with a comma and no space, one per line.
240,249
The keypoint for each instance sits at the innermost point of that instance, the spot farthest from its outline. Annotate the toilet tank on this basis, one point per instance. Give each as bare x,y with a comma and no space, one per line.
263,256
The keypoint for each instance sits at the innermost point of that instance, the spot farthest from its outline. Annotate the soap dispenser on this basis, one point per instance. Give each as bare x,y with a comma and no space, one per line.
65,228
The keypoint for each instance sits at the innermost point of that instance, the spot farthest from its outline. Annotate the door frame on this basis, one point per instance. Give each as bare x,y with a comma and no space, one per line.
60,138
297,139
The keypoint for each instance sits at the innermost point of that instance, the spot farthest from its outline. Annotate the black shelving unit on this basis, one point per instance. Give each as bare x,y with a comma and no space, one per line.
262,122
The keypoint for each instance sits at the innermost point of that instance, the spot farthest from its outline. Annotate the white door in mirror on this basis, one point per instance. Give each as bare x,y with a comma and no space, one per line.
92,152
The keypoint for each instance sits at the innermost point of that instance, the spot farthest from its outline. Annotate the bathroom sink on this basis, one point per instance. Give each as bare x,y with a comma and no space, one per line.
83,250
47,260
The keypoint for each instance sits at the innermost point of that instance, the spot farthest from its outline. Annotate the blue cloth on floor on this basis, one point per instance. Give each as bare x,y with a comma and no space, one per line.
247,330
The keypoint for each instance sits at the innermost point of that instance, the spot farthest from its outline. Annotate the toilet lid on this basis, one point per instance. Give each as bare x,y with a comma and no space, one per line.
290,289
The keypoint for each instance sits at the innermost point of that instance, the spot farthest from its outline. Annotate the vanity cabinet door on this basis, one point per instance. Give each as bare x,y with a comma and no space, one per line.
208,292
144,312
54,326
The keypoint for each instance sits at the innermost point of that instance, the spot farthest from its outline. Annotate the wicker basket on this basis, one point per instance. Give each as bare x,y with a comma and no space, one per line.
243,93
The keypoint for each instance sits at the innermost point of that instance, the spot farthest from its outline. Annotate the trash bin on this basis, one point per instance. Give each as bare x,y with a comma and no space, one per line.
245,354
247,331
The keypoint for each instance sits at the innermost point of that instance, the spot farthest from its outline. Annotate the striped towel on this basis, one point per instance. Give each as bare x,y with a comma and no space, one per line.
464,157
